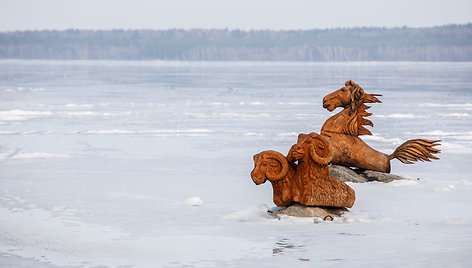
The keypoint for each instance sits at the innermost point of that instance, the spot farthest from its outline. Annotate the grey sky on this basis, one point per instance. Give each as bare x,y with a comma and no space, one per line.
241,14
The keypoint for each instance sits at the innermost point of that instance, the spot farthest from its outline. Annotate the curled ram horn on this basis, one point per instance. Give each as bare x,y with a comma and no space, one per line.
320,150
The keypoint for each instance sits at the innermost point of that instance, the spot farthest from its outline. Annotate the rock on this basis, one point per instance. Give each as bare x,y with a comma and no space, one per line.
346,174
371,175
299,210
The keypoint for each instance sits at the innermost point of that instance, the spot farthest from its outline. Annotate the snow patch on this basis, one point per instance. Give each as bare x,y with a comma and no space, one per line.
256,103
378,138
449,105
403,116
40,156
108,132
300,103
440,134
455,115
73,105
288,134
399,183
23,132
84,114
64,240
218,104
456,148
446,188
228,115
252,214
285,219
20,115
309,115
194,201
157,132
23,89
254,134
455,221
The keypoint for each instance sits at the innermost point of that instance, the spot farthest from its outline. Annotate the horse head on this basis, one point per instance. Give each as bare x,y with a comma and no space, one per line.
348,96
351,120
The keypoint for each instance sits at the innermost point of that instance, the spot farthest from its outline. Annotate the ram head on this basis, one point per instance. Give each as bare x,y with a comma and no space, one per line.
313,145
269,165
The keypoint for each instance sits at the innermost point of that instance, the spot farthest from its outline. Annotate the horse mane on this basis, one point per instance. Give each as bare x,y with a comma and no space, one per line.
356,123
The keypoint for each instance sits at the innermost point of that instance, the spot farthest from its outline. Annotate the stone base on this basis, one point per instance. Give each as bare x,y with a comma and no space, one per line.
346,174
299,210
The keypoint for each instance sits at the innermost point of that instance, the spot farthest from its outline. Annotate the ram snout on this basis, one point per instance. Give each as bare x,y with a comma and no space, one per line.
258,174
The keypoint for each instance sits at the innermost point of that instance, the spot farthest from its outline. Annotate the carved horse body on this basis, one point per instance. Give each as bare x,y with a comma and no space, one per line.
343,129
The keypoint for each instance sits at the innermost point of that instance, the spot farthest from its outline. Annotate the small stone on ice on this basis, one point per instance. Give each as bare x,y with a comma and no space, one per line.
193,201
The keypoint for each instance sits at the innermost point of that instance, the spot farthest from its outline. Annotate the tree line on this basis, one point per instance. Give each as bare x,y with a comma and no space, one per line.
441,43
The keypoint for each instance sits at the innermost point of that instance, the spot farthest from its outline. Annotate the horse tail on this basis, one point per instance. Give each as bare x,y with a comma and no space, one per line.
416,150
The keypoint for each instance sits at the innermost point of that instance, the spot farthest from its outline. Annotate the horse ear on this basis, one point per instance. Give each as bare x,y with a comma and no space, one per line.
348,83
359,92
354,98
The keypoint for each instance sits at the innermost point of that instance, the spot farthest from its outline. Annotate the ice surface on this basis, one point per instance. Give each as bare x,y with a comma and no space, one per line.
146,164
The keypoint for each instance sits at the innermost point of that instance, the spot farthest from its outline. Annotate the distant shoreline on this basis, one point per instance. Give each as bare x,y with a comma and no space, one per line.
440,43
242,30
216,62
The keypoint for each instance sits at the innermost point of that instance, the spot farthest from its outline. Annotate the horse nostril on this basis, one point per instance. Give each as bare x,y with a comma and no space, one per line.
325,103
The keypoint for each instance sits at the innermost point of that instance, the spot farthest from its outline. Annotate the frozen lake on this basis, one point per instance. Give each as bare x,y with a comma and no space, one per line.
98,161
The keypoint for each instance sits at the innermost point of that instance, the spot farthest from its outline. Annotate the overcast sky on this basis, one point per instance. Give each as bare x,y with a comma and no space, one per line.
238,14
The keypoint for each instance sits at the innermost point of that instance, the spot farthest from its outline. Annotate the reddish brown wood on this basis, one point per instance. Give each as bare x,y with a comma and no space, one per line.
307,183
273,166
342,131
303,175
316,187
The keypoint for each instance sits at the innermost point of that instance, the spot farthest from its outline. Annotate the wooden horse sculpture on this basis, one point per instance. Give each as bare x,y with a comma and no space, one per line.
342,131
